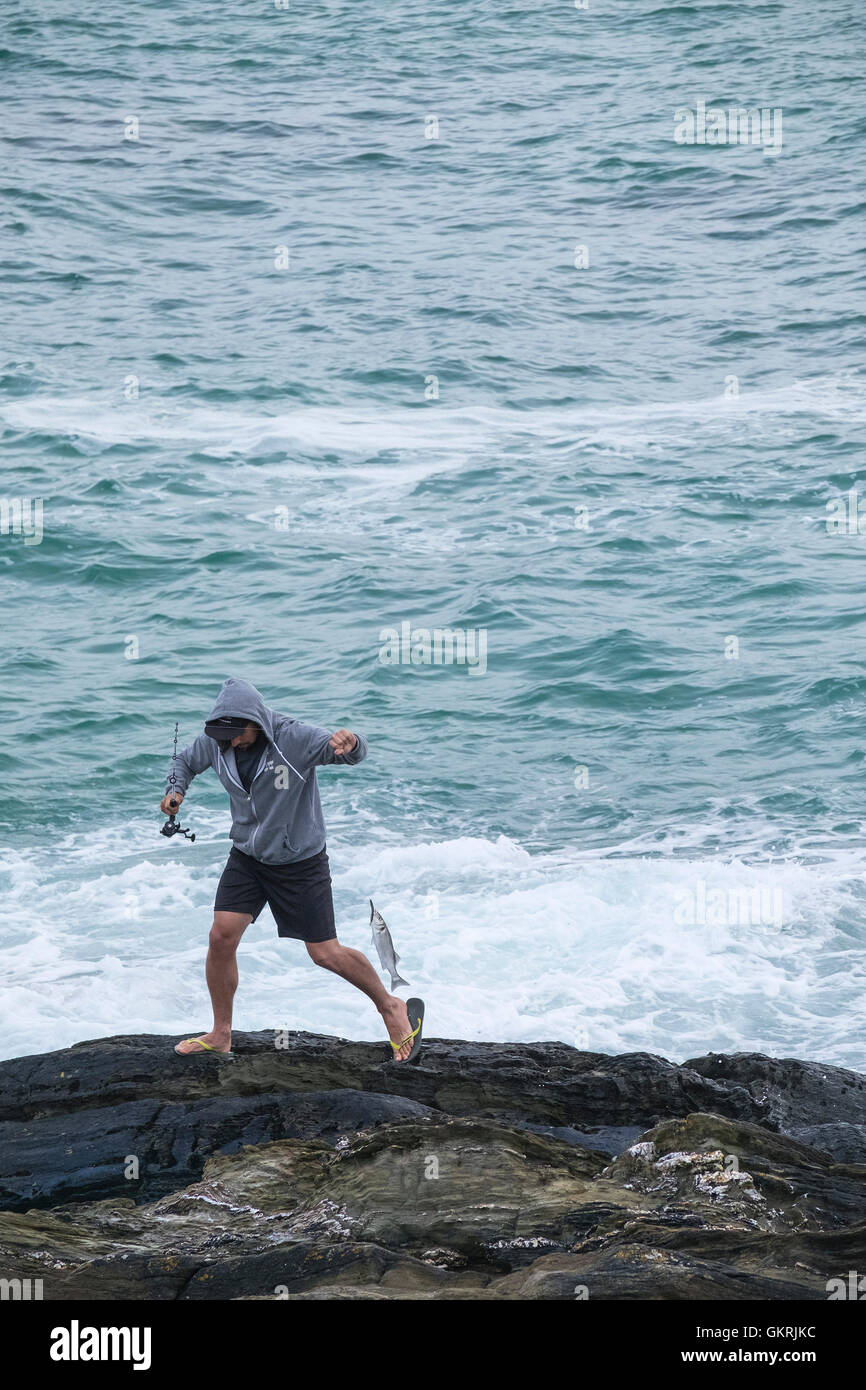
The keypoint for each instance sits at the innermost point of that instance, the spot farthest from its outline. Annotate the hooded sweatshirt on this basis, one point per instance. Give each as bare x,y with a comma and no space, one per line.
279,820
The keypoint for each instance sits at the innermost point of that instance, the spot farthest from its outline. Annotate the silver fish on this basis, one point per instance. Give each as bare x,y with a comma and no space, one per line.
385,946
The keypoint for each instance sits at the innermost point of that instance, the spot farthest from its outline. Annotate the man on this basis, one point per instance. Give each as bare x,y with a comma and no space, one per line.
267,763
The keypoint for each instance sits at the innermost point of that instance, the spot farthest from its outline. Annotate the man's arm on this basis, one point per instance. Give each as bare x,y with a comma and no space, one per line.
319,748
190,761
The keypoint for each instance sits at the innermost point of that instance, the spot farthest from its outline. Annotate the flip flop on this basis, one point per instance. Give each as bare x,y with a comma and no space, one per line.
207,1047
415,1009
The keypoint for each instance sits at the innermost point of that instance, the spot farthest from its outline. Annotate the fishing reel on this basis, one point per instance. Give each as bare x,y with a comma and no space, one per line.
171,827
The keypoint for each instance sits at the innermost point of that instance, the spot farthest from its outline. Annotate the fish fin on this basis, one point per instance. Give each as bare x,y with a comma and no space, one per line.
398,980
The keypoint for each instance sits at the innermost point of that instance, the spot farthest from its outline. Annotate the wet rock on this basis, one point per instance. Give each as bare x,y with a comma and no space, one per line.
847,1143
322,1170
605,1139
68,1156
544,1083
789,1093
761,1180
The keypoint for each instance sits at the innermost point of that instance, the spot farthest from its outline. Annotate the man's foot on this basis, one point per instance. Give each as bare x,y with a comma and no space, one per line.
216,1042
396,1017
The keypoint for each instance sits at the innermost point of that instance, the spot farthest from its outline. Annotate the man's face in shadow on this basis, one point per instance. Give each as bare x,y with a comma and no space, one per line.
247,738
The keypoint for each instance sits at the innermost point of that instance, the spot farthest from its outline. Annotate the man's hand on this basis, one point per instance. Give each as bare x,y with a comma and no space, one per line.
343,741
175,798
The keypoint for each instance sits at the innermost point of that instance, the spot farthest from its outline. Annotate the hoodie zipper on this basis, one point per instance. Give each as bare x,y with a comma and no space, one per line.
233,779
262,760
257,827
258,772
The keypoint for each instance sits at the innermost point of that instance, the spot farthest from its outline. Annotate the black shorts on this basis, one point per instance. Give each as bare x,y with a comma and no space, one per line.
299,895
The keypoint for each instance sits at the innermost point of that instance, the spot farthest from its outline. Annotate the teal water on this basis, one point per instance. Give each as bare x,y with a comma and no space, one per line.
244,470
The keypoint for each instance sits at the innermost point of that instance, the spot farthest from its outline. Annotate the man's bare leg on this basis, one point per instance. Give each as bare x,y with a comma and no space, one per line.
354,966
221,971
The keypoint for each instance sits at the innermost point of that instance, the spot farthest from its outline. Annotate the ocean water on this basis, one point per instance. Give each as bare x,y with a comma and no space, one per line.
322,320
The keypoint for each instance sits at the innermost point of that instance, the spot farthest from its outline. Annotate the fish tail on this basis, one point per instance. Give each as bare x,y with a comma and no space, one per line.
398,980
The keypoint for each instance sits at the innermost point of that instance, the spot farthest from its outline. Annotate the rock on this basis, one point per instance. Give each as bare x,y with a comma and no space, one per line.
605,1139
489,1171
789,1092
545,1083
73,1155
847,1143
763,1180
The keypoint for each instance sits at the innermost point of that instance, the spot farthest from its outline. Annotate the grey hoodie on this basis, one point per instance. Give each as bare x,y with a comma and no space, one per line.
280,820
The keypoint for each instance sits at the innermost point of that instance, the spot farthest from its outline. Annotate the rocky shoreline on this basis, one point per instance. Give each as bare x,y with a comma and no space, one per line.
310,1167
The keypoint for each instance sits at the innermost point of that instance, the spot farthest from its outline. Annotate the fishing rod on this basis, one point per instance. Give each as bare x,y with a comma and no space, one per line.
171,828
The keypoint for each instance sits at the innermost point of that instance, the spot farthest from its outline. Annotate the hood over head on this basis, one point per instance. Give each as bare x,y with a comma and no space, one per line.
240,699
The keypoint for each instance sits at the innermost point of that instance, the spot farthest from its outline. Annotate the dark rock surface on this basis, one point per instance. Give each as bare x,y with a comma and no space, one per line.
490,1171
847,1143
69,1156
789,1092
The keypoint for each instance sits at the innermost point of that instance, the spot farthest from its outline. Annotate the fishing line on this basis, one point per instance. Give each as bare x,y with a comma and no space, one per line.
171,828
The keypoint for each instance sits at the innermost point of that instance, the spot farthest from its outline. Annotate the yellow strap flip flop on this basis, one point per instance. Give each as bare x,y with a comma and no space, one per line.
415,1009
207,1047
396,1046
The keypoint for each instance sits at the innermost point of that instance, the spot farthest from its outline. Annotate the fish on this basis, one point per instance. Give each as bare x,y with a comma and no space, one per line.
385,946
